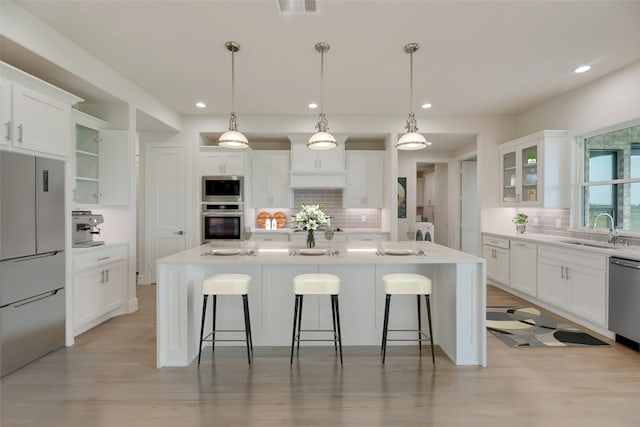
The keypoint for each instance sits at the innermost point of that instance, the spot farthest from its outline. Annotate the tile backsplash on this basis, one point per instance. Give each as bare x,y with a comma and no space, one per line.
550,221
331,202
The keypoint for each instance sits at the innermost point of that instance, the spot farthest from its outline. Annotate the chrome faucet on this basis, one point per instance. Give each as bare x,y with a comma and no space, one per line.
613,230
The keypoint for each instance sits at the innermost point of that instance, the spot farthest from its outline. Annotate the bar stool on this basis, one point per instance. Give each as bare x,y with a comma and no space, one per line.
226,284
316,284
407,284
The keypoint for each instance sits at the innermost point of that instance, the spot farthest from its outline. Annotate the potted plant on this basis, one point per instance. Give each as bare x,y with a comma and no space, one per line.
310,218
531,156
520,220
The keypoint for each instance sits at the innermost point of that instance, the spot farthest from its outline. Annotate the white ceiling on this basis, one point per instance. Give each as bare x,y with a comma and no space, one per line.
475,57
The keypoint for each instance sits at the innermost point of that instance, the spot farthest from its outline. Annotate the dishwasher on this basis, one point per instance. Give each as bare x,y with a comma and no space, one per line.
624,300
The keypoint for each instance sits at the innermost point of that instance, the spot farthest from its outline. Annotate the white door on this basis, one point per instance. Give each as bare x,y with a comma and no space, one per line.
166,211
468,208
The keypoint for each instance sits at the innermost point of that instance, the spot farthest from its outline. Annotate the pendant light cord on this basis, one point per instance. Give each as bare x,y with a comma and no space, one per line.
322,82
411,83
233,82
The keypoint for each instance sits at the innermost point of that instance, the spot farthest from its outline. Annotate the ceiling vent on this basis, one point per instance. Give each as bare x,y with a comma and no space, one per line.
297,7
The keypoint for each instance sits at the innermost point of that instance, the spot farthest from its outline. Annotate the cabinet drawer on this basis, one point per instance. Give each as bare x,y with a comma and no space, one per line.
97,257
574,256
495,241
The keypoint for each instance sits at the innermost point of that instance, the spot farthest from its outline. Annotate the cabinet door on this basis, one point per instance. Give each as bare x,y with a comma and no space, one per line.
40,123
114,286
331,160
261,178
509,179
588,292
497,263
357,174
281,193
552,285
528,189
524,267
375,183
5,112
211,164
86,296
233,164
303,159
114,168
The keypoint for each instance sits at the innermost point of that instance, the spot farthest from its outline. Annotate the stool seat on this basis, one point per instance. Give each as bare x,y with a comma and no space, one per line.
226,284
316,284
406,284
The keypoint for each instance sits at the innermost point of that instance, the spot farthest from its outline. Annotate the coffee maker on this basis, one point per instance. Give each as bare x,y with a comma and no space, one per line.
85,226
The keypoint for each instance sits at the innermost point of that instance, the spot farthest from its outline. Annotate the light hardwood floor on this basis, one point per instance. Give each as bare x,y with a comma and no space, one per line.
109,379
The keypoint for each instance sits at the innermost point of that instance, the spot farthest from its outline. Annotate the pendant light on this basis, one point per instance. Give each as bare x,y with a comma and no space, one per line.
232,138
322,140
411,140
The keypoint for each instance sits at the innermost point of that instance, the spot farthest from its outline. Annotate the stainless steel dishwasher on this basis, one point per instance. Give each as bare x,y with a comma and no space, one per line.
624,300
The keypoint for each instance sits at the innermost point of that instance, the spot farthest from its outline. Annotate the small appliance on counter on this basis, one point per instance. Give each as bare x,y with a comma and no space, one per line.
85,226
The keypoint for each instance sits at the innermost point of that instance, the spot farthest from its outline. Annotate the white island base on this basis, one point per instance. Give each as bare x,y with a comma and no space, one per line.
458,300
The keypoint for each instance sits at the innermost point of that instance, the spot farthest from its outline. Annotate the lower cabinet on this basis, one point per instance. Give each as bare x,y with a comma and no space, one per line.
99,286
496,252
523,267
574,281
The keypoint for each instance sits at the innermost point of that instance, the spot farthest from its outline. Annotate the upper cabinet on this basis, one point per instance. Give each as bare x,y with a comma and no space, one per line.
102,163
35,115
270,175
220,162
316,168
535,170
364,180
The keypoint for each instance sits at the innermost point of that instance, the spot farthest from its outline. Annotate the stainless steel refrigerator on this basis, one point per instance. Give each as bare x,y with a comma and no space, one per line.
32,262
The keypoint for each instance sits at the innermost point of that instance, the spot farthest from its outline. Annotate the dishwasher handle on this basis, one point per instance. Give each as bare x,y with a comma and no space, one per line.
625,263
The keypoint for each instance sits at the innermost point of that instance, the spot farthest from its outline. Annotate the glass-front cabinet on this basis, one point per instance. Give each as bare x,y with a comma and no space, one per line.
535,170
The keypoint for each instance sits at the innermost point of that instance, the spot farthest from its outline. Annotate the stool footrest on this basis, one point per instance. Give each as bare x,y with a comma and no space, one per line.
311,339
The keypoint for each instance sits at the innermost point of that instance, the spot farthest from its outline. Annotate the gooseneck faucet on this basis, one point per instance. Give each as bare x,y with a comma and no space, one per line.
613,230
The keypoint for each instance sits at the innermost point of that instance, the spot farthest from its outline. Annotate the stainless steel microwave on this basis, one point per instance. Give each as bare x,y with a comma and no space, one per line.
222,189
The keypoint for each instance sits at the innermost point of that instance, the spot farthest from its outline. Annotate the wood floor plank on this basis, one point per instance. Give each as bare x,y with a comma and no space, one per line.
109,379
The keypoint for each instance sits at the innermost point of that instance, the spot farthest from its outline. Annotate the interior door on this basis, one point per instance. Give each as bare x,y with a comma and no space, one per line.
469,208
166,211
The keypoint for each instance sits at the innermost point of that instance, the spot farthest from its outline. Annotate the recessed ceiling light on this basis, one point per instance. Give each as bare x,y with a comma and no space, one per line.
582,69
201,104
427,105
313,105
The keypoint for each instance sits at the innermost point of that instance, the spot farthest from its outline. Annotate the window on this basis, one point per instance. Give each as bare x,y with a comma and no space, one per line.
611,181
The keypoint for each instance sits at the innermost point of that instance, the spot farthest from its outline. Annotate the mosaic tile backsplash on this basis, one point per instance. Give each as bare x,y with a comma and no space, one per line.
331,201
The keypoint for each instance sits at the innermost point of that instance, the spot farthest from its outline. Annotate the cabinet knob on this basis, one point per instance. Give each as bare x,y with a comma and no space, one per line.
20,132
179,232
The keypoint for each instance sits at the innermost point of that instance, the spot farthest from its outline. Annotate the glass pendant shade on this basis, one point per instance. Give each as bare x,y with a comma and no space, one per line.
322,140
233,138
411,141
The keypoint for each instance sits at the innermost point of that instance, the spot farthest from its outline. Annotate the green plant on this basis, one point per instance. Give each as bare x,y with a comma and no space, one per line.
531,155
520,218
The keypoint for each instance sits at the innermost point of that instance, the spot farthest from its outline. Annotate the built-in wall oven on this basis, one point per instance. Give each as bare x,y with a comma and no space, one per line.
222,189
222,221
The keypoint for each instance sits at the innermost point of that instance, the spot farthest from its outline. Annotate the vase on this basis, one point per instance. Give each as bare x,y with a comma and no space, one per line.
521,228
311,241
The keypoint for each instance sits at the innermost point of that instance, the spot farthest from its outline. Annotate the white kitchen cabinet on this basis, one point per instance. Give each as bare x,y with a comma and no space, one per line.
575,281
5,112
270,177
364,180
220,162
35,115
271,236
316,168
523,267
376,237
496,251
102,163
534,172
99,286
429,189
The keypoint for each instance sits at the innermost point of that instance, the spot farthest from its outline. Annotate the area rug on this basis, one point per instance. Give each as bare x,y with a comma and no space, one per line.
530,327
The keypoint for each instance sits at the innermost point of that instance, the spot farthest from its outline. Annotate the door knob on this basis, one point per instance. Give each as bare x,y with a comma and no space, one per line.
179,232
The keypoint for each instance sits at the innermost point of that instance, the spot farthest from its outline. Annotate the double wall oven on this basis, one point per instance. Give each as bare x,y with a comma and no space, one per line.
222,208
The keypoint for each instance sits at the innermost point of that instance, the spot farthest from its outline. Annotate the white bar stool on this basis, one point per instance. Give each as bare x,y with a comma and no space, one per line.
226,284
316,284
407,284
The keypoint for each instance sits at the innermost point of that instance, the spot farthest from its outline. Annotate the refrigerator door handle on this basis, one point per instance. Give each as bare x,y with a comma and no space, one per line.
30,257
36,298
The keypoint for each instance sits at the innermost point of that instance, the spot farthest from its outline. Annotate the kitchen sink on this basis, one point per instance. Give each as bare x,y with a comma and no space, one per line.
592,244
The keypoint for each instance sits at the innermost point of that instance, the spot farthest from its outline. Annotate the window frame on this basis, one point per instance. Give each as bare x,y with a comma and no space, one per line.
578,208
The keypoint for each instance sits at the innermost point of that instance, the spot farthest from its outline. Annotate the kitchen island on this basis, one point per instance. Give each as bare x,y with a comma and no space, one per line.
458,300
